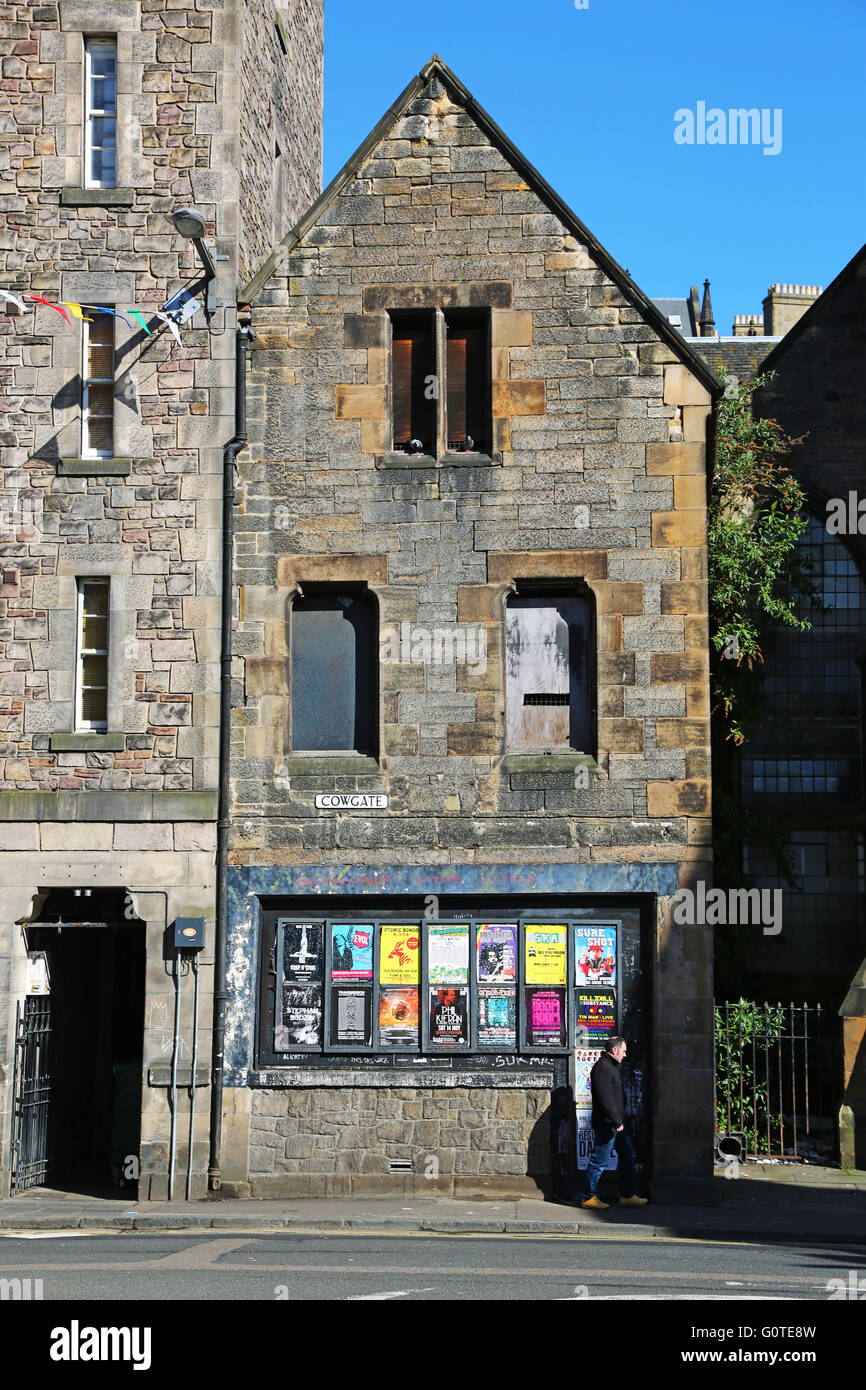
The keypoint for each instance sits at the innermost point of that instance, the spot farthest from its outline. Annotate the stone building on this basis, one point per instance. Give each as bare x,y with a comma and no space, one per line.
470,742
113,116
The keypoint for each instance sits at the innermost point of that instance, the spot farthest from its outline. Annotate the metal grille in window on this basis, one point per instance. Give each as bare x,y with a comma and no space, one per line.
799,776
546,699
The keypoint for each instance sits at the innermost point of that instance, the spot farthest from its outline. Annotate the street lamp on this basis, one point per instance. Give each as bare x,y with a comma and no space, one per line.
190,223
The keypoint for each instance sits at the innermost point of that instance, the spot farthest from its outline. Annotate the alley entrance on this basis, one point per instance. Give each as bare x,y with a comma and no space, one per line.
77,1114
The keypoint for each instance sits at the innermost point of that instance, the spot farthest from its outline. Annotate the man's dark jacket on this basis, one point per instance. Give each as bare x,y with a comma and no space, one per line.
608,1102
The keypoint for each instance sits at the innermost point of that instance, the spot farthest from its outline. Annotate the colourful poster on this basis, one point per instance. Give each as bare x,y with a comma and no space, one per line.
351,1015
400,955
584,1143
398,1016
545,1018
448,953
496,945
546,955
594,1016
300,1020
585,1059
302,951
595,955
497,1018
351,951
449,1017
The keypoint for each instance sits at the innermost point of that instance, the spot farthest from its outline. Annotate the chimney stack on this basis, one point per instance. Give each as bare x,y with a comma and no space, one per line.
785,305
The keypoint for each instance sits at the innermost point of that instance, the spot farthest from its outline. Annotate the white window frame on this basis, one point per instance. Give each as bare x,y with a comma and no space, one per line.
82,725
92,113
87,451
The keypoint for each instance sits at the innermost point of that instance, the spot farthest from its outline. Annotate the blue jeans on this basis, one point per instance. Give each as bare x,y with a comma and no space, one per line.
604,1140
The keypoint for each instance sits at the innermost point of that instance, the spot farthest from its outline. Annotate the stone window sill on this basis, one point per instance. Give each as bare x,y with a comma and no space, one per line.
97,197
332,764
78,468
87,743
398,459
549,762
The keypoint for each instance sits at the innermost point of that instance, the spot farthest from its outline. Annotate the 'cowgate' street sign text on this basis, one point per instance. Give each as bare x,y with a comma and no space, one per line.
351,801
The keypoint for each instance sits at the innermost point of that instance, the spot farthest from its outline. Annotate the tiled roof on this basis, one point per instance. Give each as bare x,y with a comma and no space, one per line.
742,356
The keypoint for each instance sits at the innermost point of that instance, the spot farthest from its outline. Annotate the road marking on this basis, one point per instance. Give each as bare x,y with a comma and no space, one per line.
378,1297
55,1235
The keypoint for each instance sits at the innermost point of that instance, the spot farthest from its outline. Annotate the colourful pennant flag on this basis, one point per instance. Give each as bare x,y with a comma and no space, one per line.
13,299
76,310
103,309
166,318
141,319
40,299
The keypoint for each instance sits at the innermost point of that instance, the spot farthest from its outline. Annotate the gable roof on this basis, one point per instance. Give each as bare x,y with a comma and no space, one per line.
435,68
815,309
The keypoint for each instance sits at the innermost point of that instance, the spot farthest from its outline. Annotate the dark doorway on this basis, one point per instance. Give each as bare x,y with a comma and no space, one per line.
96,972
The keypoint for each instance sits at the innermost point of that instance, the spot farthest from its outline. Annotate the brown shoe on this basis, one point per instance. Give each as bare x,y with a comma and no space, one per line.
632,1201
594,1203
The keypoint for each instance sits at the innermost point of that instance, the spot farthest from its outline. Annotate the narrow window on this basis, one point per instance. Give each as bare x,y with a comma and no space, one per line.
100,113
334,666
91,676
549,672
97,397
278,194
467,377
414,387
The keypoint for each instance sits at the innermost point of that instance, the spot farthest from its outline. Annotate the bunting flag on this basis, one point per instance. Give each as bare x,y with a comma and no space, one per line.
76,310
183,306
40,299
103,309
166,318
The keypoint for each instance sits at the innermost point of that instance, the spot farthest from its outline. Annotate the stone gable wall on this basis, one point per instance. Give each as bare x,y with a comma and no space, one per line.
599,472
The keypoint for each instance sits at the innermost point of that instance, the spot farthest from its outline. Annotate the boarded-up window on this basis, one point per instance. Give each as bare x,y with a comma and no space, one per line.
333,646
549,672
467,378
414,390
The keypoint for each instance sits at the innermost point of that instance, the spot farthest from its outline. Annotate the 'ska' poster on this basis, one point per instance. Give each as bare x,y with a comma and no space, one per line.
399,955
449,1017
351,951
351,1016
398,1016
300,1021
497,1018
496,946
595,955
448,953
546,955
302,952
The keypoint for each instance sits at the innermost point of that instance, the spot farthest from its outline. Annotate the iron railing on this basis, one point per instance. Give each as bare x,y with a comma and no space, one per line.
778,1078
31,1090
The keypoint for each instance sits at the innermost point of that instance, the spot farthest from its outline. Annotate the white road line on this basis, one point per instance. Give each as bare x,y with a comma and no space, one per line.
55,1235
378,1297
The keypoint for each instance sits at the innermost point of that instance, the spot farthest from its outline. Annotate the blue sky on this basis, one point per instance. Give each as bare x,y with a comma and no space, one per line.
589,96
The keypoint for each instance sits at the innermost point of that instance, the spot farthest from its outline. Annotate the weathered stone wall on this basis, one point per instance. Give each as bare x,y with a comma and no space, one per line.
101,809
598,472
283,48
341,1140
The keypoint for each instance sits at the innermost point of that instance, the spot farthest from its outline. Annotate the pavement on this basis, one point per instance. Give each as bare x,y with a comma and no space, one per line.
763,1203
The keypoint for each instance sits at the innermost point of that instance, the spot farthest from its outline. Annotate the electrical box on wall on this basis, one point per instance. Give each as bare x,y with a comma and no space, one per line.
189,933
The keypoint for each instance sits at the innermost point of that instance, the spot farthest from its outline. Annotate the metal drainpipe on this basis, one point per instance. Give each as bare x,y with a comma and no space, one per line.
230,452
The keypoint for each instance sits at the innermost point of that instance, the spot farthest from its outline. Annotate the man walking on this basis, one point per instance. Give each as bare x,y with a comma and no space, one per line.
608,1129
